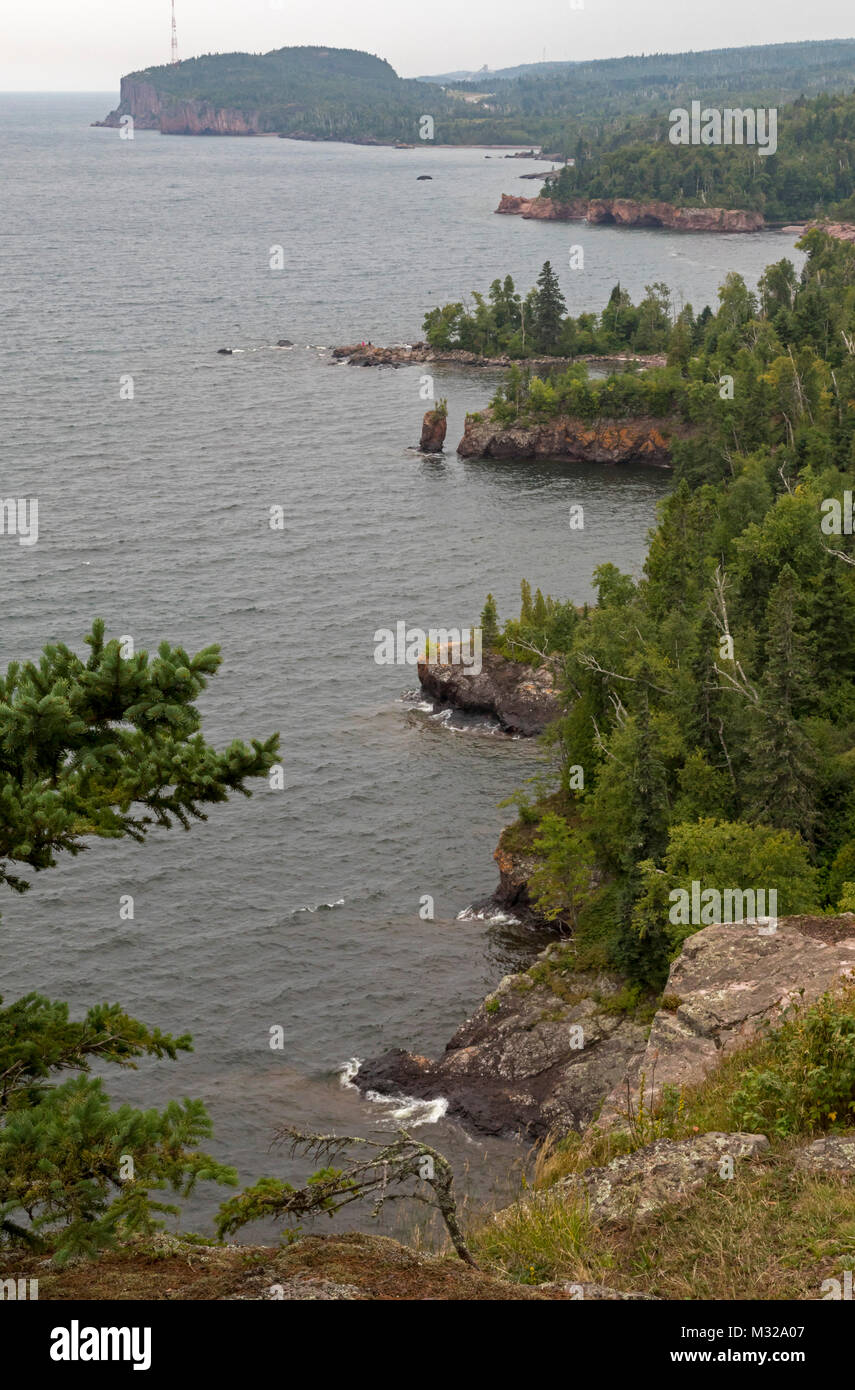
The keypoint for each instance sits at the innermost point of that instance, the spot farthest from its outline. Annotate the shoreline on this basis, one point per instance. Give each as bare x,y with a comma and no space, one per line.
403,355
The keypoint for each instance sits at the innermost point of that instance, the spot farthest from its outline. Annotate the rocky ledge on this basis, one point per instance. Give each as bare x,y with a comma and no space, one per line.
640,440
528,1061
405,355
523,698
545,1052
629,212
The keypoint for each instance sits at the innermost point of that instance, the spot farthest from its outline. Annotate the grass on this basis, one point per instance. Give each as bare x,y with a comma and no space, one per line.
771,1231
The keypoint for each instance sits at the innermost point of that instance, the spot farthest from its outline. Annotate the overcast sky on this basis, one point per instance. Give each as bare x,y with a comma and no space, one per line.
86,45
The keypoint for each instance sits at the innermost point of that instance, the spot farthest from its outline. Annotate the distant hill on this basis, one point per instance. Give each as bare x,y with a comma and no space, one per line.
321,93
342,94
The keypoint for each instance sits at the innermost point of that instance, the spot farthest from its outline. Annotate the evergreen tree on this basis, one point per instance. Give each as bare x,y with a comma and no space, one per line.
489,623
104,747
549,310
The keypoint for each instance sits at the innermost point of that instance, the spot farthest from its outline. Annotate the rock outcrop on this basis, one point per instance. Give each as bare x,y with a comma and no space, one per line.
631,212
841,231
434,426
529,1061
638,440
523,698
726,984
368,355
833,1155
544,1052
636,1186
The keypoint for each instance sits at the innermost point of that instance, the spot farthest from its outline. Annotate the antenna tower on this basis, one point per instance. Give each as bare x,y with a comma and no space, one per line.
174,36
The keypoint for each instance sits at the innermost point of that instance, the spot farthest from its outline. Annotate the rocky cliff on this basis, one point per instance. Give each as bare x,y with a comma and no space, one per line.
641,440
152,111
629,212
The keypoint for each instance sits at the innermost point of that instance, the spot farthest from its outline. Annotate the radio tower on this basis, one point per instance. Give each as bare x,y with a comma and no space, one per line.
174,36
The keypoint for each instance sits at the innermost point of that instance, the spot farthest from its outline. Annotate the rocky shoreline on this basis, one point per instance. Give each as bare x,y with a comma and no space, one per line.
408,354
630,212
548,1051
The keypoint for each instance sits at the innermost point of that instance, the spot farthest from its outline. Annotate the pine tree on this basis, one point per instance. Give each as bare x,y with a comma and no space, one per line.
550,308
526,611
489,623
104,747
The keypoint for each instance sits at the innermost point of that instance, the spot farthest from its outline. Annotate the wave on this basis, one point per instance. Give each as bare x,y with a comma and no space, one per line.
318,907
409,1108
473,913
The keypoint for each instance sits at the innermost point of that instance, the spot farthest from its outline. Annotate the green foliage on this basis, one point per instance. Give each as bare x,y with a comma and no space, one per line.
807,1082
813,169
84,742
104,747
711,702
561,883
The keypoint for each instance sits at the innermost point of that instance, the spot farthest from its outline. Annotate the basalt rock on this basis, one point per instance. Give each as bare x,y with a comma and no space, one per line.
841,231
632,212
528,1062
434,426
643,439
833,1155
523,698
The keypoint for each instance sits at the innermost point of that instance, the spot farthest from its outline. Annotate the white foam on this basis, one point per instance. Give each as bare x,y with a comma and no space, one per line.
415,1112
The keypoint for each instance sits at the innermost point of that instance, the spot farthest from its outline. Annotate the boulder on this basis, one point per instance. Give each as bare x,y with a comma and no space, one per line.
833,1155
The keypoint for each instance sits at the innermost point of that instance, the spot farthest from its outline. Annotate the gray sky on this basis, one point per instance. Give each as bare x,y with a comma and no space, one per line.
86,45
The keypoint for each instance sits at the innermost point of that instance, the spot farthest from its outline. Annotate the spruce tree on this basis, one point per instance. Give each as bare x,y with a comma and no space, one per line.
550,308
489,623
106,746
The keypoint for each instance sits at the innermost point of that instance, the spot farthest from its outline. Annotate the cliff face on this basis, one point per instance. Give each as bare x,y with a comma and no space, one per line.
642,440
628,212
152,111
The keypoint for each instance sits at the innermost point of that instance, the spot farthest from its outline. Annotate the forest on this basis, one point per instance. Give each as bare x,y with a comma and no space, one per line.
710,702
343,94
812,172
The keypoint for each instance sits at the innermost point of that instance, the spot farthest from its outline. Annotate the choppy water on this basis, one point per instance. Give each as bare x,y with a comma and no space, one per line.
299,908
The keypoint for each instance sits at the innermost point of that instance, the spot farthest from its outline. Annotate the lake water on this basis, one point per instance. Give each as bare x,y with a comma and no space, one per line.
299,908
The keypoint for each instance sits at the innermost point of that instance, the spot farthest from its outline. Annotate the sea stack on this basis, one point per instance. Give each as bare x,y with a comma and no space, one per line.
433,431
